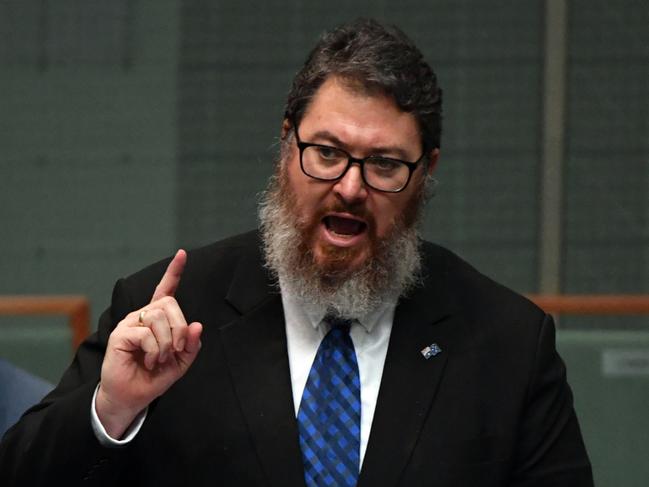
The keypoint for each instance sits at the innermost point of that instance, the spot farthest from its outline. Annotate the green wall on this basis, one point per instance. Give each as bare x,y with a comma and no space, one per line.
88,140
131,127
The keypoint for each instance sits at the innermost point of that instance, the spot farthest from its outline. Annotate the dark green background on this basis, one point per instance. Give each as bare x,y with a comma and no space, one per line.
129,128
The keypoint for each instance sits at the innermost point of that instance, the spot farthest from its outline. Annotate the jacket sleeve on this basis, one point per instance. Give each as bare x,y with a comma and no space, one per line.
550,449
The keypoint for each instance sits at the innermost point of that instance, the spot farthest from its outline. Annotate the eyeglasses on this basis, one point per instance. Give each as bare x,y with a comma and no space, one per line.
327,163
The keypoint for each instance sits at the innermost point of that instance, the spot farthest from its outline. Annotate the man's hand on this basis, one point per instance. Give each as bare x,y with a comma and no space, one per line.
149,350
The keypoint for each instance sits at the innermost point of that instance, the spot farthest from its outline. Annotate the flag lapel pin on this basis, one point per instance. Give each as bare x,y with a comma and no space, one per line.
431,350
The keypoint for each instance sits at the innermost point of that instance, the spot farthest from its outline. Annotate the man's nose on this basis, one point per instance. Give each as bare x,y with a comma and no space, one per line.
351,186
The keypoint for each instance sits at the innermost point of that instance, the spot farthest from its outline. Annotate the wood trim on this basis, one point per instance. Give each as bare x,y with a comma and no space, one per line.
76,308
593,304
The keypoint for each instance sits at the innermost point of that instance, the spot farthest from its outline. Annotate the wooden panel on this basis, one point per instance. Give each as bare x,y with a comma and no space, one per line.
593,304
76,308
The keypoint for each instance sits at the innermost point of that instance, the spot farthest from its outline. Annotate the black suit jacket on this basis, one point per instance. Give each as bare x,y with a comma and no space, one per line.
492,409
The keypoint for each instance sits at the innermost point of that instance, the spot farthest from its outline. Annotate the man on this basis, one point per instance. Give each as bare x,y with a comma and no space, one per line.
333,347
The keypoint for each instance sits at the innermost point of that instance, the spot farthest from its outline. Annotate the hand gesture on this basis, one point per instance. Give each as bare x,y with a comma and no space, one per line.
149,350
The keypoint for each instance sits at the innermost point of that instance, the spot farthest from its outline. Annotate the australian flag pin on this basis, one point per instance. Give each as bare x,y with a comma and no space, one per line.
431,350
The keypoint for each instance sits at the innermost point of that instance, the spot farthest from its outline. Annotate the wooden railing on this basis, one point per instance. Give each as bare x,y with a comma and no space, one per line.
593,304
76,308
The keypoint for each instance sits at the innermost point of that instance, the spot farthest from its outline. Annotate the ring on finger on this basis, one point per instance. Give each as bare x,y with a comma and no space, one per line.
141,317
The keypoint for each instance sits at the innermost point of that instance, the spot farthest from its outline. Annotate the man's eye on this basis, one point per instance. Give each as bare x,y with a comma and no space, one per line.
385,165
329,153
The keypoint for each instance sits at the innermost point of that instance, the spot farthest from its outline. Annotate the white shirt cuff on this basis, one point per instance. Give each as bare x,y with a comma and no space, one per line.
100,431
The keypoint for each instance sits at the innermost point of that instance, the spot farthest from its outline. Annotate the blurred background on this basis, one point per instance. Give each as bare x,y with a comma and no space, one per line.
129,128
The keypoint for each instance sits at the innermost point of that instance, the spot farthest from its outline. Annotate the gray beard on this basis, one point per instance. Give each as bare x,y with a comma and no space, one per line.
387,275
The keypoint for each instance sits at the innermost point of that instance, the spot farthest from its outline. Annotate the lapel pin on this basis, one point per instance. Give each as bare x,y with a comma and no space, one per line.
431,350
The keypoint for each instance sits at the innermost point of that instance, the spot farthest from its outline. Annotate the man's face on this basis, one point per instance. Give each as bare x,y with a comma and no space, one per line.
343,222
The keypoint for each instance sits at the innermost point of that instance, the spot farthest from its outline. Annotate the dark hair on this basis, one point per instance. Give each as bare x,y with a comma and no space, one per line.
372,57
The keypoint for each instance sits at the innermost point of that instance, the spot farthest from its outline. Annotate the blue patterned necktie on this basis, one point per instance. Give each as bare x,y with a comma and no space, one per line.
329,417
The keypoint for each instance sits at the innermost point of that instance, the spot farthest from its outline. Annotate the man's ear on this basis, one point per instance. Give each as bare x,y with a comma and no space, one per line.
432,164
286,127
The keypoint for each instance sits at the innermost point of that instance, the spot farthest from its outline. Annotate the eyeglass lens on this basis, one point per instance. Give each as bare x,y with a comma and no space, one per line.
330,163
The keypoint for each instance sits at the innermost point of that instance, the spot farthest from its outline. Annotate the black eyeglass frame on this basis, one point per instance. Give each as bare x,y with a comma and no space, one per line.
355,160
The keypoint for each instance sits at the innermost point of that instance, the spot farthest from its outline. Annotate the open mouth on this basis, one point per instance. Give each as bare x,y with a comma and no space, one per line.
344,226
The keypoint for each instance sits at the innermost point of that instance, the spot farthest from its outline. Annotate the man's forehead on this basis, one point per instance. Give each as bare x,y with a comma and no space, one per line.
361,86
352,86
340,110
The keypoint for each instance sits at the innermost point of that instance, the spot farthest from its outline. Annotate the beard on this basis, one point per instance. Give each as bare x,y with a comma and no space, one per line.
389,269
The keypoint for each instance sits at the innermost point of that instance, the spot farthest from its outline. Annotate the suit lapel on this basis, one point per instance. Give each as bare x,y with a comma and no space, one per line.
409,383
254,346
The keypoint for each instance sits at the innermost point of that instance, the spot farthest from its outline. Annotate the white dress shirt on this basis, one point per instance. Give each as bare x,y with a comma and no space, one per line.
305,329
371,335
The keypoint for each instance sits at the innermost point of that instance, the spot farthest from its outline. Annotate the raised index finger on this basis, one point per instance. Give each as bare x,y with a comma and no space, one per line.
169,282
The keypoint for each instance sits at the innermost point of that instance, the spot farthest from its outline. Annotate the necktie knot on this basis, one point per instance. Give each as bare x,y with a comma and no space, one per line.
337,323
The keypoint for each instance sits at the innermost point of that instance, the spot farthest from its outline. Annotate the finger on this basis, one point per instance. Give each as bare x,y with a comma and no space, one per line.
194,332
151,350
140,338
157,321
169,282
192,345
179,337
177,322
